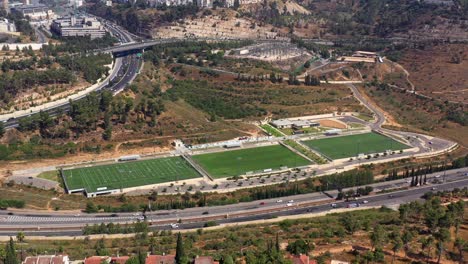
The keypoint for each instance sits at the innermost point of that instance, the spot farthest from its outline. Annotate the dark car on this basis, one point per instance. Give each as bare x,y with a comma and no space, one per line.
205,213
262,203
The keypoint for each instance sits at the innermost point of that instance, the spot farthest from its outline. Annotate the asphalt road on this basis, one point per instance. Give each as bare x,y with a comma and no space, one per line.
126,72
58,223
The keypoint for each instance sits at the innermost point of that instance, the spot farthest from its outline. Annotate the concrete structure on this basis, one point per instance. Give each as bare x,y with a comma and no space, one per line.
76,3
300,259
35,11
78,27
47,259
200,3
230,3
6,26
296,124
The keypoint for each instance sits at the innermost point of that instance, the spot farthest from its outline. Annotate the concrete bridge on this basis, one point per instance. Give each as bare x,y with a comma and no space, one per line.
134,46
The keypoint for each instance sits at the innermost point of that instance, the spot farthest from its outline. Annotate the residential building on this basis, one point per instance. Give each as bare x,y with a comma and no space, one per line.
204,260
7,26
78,27
47,259
97,260
35,12
301,259
119,260
160,259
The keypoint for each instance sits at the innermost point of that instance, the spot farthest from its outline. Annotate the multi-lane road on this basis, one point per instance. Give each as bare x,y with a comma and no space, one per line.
126,70
59,224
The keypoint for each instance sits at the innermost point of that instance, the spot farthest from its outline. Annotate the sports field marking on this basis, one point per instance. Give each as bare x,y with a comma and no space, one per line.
238,162
352,145
129,174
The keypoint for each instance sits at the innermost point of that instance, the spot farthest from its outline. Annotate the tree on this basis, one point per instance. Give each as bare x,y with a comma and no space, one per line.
378,236
397,245
10,253
180,256
350,223
20,237
299,247
227,259
426,243
442,237
2,129
406,238
462,246
91,208
132,260
107,135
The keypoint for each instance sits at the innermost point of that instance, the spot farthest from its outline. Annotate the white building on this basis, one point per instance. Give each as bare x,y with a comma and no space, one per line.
78,27
35,11
76,3
6,26
200,3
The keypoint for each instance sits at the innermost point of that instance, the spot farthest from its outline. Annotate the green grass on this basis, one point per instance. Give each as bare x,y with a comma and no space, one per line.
237,162
305,151
350,146
129,174
272,131
49,175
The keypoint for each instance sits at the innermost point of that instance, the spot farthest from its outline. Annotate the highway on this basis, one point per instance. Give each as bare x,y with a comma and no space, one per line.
60,223
126,70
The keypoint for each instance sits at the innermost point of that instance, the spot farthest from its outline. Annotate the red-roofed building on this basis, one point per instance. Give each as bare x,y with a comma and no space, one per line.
119,260
47,259
160,259
204,260
301,259
97,260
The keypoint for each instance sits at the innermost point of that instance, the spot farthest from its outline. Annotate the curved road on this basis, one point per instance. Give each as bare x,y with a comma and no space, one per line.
126,71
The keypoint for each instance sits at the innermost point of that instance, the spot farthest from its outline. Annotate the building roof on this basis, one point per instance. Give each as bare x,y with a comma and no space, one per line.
203,260
96,259
119,260
47,259
301,259
158,259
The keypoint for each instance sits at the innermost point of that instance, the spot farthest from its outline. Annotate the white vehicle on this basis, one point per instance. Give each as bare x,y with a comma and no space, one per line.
141,218
174,226
289,204
437,176
279,201
334,205
291,201
365,201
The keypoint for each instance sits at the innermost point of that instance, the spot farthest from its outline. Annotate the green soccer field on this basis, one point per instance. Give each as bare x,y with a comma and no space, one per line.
237,162
351,146
129,174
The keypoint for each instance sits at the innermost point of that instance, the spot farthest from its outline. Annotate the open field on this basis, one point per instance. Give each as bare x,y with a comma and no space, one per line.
350,146
237,162
129,174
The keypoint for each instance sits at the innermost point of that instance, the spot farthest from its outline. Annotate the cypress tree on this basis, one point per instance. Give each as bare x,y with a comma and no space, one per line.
416,181
425,178
10,253
180,254
277,243
421,180
412,181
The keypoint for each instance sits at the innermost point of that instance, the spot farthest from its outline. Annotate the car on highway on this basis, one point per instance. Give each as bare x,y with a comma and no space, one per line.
365,202
262,203
334,205
291,201
279,201
205,213
289,204
352,205
174,226
433,188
